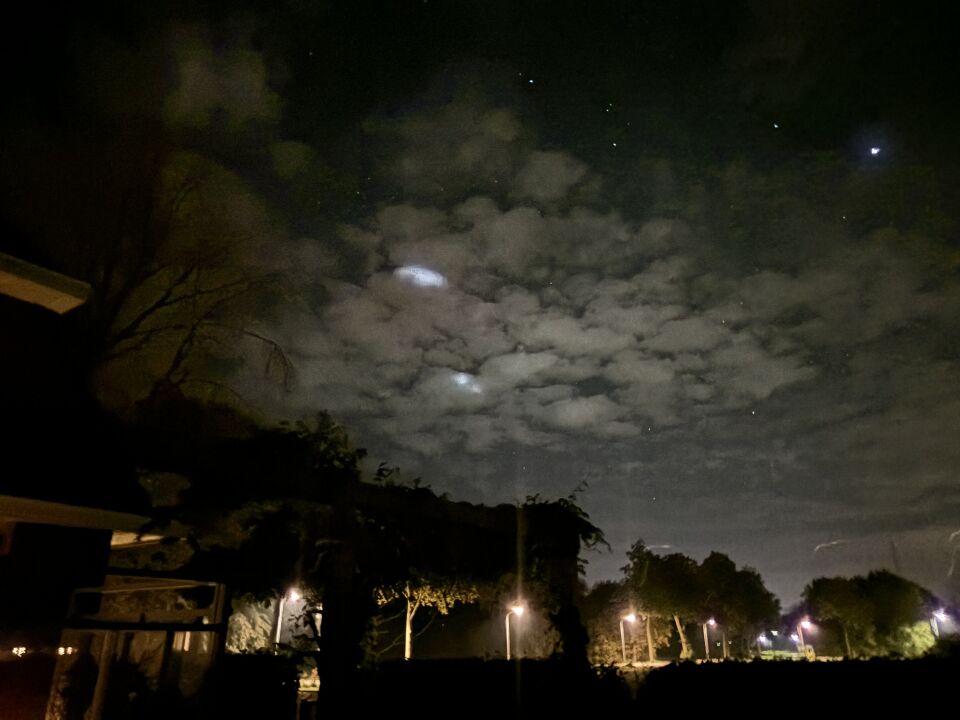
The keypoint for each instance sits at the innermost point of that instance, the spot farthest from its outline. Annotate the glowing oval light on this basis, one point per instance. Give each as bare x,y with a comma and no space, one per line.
420,276
517,610
874,150
467,382
630,618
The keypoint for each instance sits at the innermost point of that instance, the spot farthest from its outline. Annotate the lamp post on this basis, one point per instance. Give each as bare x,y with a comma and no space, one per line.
706,637
515,610
631,618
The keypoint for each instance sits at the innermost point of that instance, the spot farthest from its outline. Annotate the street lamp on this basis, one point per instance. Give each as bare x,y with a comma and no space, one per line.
631,618
515,610
706,638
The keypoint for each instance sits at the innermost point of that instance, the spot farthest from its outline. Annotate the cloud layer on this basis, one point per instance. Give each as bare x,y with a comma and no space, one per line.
571,340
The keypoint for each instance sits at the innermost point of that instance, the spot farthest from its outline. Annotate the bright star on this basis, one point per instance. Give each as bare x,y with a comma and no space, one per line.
420,276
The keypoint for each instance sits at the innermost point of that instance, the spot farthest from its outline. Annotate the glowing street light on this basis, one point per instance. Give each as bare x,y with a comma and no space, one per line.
631,618
515,610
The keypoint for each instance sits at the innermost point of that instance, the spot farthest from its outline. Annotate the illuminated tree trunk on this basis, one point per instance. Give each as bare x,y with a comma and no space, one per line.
685,651
846,640
651,650
408,626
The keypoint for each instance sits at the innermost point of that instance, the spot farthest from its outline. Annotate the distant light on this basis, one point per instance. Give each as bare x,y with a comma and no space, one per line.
776,126
20,651
530,81
467,382
806,624
795,638
630,618
775,633
293,595
420,276
711,622
517,610
61,651
940,615
874,150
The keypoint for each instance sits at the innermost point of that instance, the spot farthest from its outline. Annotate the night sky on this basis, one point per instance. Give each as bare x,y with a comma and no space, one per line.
696,261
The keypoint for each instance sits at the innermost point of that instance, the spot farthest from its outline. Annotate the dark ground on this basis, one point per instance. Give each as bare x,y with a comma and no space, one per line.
544,689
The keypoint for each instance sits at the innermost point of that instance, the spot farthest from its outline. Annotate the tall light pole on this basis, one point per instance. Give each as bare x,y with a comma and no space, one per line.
515,610
706,637
631,618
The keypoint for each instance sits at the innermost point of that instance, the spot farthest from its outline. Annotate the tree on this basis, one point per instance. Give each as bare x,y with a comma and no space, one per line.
165,238
737,598
752,607
880,614
602,608
667,586
422,592
719,580
840,600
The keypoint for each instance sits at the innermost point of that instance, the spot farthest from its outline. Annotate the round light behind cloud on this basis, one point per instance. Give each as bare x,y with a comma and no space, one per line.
467,382
420,276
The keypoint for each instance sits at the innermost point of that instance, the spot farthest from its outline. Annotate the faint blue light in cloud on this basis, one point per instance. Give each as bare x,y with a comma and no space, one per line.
467,382
420,276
